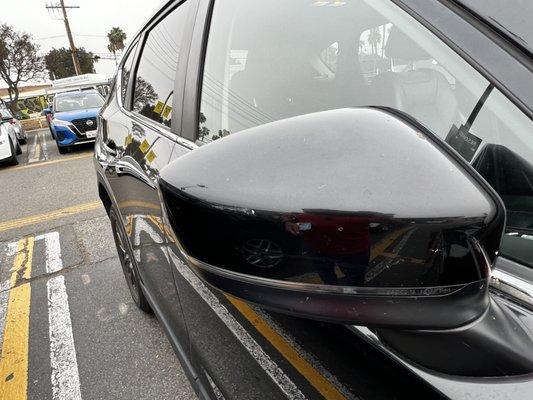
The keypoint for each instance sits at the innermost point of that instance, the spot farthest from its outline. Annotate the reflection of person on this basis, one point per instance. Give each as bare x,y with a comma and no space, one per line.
344,240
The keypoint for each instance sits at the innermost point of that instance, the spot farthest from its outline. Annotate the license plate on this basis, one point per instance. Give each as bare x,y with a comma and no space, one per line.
90,134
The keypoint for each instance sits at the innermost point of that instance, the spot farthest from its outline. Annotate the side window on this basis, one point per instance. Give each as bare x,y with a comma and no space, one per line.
323,55
499,140
125,73
154,82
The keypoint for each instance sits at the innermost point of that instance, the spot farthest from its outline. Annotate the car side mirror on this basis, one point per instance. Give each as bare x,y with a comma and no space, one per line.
358,216
47,111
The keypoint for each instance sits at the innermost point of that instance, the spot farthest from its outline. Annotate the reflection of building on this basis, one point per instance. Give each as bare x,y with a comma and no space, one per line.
32,98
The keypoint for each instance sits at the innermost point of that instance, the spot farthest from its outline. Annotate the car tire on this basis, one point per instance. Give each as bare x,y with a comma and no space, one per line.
14,160
63,149
128,268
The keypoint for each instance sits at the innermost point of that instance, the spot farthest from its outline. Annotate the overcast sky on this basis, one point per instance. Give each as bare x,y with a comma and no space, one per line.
89,24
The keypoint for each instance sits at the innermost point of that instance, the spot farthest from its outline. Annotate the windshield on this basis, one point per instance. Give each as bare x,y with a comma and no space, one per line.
78,101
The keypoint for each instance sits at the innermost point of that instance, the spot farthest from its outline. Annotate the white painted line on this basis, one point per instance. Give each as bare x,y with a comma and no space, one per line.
287,386
44,145
12,249
32,149
4,296
65,376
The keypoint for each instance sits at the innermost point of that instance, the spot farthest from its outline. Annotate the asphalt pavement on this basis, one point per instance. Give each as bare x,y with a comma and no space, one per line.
66,315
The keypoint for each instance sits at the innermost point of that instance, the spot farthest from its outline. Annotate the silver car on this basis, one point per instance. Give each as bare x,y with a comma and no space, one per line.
6,116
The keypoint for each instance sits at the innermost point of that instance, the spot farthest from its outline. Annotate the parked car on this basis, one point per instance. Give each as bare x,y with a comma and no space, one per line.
305,223
9,145
6,115
73,118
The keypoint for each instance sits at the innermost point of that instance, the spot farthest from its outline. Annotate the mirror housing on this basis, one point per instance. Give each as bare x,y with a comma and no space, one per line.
46,111
357,216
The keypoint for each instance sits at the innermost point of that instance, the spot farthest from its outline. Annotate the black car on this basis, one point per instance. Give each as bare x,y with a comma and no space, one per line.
330,199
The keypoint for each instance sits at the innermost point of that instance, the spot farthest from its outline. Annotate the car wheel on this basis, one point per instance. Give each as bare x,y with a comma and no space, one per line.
130,273
14,160
63,149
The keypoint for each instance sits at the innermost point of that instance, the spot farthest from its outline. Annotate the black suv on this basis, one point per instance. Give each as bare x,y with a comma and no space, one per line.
330,199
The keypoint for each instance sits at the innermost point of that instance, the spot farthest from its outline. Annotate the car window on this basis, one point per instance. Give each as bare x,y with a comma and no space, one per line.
349,54
125,73
154,82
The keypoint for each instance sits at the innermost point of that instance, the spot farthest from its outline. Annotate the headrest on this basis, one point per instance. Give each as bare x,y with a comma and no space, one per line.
399,45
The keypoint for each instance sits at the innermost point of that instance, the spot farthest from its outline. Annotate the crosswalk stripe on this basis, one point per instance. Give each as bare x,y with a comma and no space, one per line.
65,375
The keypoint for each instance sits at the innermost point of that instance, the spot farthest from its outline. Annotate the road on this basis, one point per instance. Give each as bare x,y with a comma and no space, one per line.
66,315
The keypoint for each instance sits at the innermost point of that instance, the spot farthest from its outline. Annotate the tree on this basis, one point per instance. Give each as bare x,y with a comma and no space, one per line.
19,61
116,38
59,62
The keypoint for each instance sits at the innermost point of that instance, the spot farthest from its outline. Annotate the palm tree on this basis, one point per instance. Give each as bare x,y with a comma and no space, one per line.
116,38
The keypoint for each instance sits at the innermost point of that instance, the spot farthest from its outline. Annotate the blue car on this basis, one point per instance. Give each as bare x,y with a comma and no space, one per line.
74,118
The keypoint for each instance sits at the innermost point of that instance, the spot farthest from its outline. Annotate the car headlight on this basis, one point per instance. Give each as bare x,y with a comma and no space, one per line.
60,122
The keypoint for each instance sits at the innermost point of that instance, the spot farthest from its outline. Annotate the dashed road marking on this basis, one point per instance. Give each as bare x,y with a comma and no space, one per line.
14,360
65,375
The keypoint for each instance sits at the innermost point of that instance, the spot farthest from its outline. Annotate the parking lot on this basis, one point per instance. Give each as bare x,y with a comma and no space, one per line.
66,315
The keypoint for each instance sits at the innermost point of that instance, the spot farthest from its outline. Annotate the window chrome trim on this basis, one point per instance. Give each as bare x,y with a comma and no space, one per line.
513,286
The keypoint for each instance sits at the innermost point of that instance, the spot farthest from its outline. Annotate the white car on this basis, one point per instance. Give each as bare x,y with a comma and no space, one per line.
9,145
5,115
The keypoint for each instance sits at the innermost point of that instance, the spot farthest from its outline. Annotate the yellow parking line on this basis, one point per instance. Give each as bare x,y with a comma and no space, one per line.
327,389
139,204
55,161
63,212
14,360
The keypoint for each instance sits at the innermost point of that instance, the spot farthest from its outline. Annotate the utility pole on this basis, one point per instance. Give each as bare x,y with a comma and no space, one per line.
73,50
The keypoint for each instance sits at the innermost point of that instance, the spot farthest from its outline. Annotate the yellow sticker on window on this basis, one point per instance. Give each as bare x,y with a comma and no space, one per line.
144,146
128,139
150,156
158,107
166,112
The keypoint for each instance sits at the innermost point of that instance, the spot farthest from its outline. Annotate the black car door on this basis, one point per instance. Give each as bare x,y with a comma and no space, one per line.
142,136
